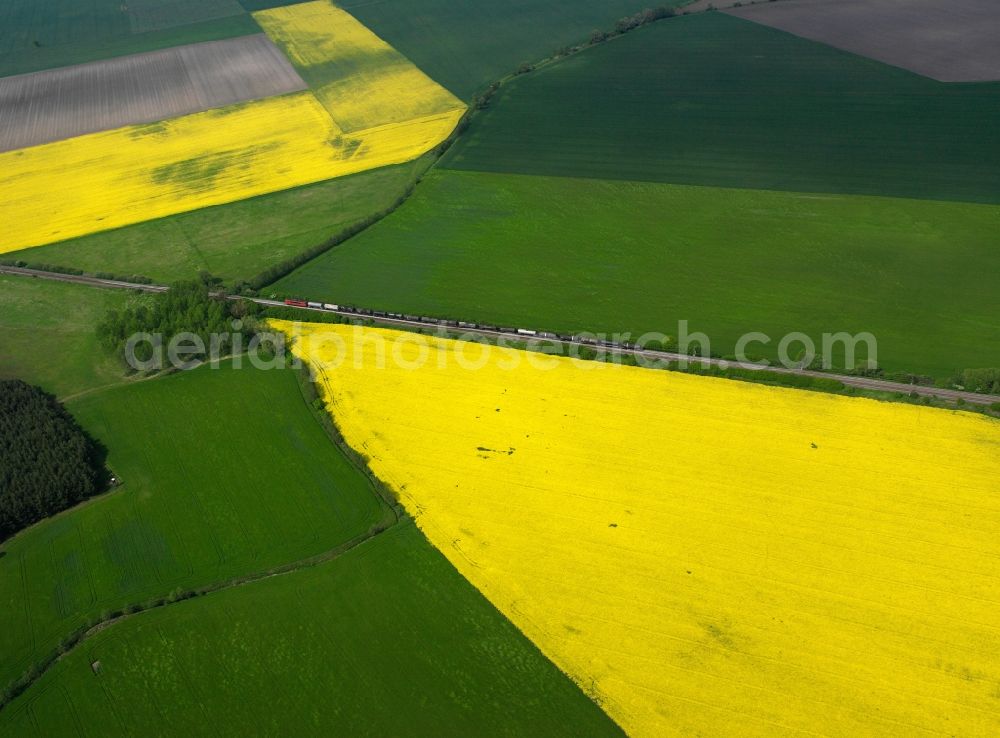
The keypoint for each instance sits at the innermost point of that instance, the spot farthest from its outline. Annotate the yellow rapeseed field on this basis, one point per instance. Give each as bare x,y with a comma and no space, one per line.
106,180
385,111
703,556
361,79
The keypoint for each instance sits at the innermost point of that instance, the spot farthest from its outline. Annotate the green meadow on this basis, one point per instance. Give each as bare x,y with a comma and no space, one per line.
47,334
572,254
225,472
706,169
387,639
702,169
234,241
467,44
710,99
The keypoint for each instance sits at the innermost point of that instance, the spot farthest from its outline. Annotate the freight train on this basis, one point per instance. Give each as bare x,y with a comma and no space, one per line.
522,333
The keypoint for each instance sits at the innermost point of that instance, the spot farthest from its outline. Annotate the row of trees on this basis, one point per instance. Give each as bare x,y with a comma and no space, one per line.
986,381
631,22
195,307
41,266
624,25
277,271
47,462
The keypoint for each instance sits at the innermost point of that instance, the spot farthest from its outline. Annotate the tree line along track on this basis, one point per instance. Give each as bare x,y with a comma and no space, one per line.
457,327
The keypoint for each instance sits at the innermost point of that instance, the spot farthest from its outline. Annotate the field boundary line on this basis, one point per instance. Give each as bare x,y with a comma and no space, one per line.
402,322
82,635
392,515
479,101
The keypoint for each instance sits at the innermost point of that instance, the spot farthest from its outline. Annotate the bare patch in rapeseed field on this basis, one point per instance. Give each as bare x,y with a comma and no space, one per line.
384,111
196,174
698,553
115,178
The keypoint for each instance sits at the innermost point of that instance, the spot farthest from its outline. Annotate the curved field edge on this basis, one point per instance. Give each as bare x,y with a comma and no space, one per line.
314,651
709,99
186,516
465,46
497,665
573,254
236,241
66,254
140,173
691,550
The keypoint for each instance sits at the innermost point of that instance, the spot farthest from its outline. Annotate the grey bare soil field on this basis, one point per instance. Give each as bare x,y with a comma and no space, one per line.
155,15
953,41
56,104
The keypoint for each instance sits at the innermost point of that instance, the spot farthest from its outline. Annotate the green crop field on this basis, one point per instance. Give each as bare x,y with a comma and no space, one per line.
234,241
246,575
467,44
576,254
47,335
759,119
43,35
713,100
386,640
225,473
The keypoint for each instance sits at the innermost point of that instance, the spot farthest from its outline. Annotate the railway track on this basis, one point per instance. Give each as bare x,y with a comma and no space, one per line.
452,326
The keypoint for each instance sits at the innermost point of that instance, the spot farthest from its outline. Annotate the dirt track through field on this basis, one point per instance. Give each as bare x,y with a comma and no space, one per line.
62,103
953,41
